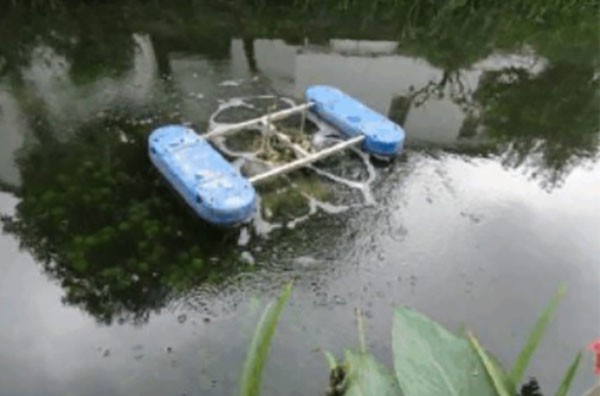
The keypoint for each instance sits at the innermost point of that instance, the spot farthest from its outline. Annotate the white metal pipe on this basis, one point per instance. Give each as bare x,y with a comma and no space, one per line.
306,160
256,121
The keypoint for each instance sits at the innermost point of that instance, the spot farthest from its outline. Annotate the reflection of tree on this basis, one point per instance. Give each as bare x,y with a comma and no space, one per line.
550,120
452,38
95,43
97,217
8,187
96,39
91,209
450,85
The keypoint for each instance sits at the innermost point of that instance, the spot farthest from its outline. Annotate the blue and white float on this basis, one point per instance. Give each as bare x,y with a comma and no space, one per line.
220,194
382,137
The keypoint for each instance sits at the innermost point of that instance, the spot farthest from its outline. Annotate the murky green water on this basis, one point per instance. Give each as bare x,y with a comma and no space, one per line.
110,286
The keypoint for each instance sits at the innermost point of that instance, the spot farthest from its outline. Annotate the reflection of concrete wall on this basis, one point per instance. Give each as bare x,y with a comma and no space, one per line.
65,103
12,134
274,58
373,72
440,120
363,47
197,80
48,77
376,80
237,57
437,121
201,82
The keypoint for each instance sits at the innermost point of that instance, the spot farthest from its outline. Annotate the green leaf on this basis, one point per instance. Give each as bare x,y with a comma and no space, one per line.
565,384
500,369
367,377
431,361
461,331
259,347
498,377
331,361
361,331
535,337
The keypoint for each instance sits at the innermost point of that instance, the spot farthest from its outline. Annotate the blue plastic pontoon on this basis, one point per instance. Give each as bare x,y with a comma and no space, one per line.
382,136
214,189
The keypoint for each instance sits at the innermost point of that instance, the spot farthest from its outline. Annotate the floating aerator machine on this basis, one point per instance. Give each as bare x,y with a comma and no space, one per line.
220,194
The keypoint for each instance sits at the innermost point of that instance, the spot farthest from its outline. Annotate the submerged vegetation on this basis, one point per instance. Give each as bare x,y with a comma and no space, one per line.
428,360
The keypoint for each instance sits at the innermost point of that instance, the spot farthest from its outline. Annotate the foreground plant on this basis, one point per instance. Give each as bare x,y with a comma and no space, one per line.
259,347
428,360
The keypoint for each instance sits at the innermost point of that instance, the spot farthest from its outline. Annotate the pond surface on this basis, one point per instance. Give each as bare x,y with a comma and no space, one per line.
110,286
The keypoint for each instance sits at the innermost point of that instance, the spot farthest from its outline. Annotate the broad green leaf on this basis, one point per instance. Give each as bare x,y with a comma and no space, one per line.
496,374
259,347
431,361
535,337
367,377
461,331
565,384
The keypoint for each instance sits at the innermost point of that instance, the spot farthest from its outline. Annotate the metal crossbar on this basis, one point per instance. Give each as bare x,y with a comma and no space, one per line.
305,157
286,168
264,120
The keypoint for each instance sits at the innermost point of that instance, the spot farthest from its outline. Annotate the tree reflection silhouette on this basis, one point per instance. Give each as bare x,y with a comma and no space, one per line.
104,224
548,122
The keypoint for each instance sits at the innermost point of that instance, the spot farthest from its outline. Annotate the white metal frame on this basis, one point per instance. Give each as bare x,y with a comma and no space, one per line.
304,157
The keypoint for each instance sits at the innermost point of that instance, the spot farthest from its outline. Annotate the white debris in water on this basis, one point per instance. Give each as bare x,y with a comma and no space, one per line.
196,95
122,137
327,207
247,258
261,226
306,261
268,213
244,237
230,83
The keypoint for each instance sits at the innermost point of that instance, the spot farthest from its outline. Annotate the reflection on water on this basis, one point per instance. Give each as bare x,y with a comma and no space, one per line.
87,151
13,129
71,121
445,222
480,105
49,80
94,212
